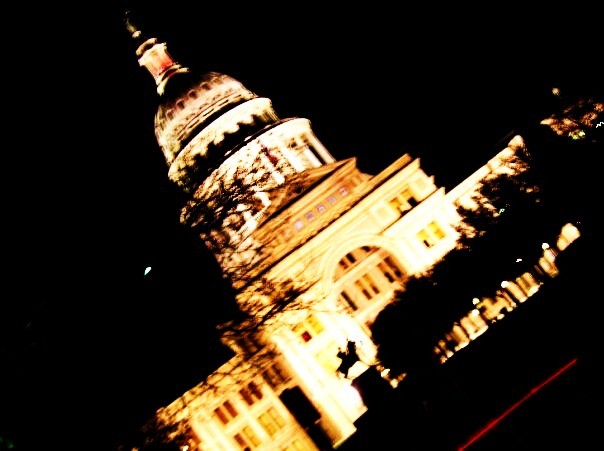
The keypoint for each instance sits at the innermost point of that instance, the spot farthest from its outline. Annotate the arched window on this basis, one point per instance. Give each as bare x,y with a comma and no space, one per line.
365,273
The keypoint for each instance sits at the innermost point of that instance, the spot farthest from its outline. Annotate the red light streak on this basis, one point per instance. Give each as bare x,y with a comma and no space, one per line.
517,404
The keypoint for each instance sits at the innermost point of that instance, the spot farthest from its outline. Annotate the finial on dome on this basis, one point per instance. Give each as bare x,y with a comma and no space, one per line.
134,32
154,56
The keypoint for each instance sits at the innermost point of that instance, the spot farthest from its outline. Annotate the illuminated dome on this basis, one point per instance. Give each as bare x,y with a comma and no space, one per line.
200,118
188,104
204,120
210,141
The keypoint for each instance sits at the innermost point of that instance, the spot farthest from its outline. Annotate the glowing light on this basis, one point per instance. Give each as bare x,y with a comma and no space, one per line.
556,91
147,270
475,301
352,394
505,284
545,246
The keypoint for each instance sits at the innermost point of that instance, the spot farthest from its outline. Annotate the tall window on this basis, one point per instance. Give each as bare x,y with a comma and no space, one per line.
247,438
365,273
351,258
348,300
390,270
226,412
366,285
271,421
403,201
310,327
275,375
431,235
251,393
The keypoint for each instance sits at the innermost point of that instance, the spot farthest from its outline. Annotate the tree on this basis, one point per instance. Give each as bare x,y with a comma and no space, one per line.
404,333
227,212
229,206
157,435
564,146
513,211
510,219
271,307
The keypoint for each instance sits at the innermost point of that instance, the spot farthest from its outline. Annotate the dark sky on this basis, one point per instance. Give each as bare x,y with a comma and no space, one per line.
445,84
90,205
374,81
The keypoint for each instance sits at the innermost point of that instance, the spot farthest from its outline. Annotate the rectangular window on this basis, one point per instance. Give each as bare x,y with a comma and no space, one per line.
275,375
247,396
431,234
371,283
255,390
398,205
230,409
348,300
393,267
362,289
271,421
315,325
221,415
308,328
250,436
436,231
425,238
225,412
251,393
240,441
386,271
403,201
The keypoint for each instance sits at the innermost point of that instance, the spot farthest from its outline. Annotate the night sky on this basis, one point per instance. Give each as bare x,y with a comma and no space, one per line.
375,82
90,202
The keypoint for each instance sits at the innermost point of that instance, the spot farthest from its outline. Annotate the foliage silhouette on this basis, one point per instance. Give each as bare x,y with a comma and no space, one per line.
500,237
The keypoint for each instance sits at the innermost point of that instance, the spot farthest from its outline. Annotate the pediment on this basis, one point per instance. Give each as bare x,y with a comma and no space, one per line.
301,184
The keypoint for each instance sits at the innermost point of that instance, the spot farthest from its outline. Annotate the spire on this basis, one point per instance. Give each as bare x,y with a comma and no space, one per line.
154,56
